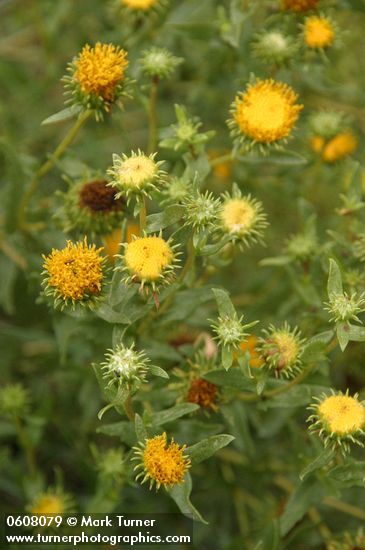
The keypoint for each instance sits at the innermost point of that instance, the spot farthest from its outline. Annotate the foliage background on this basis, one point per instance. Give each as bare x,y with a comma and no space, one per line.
245,488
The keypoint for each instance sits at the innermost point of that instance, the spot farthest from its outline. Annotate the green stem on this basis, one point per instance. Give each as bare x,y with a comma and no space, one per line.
152,116
128,407
142,216
26,445
46,167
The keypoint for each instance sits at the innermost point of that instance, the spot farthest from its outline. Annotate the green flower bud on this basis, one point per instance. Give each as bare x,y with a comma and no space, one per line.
159,62
230,331
124,365
326,124
14,400
110,463
137,174
345,307
274,47
202,210
301,246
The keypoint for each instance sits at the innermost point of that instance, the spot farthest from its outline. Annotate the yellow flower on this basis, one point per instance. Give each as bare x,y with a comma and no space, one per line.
340,146
48,504
100,69
53,501
266,112
317,143
242,217
300,5
318,32
339,419
137,174
148,259
250,345
342,414
74,273
142,5
162,463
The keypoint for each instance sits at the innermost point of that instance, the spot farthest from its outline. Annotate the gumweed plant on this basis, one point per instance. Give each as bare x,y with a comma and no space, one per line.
182,246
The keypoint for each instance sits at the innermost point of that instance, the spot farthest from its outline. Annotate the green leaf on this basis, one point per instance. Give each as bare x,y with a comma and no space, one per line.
210,249
321,460
162,417
297,396
107,393
342,331
305,495
236,417
60,116
109,315
227,357
350,474
287,157
224,303
315,348
356,333
233,378
208,447
169,216
140,428
334,283
124,430
157,371
181,495
271,537
276,260
187,303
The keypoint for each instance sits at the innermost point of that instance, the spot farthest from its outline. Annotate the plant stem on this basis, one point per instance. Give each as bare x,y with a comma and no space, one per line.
46,167
26,445
152,116
142,216
128,407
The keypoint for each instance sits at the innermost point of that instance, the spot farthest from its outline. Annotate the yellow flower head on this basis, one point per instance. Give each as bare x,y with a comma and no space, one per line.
340,146
140,5
299,5
266,112
148,259
162,463
74,273
135,175
319,32
100,69
342,414
53,501
339,419
281,348
242,217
